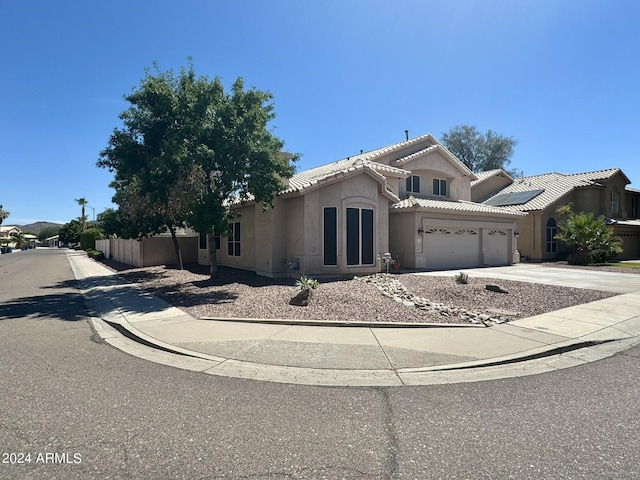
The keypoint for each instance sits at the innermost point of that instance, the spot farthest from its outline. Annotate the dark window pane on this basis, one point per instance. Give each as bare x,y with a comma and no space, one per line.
353,236
436,187
230,249
230,228
330,236
203,241
443,188
236,233
217,241
408,187
367,236
237,249
416,184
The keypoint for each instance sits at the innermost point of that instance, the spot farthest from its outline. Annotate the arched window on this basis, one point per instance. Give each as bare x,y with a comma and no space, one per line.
552,230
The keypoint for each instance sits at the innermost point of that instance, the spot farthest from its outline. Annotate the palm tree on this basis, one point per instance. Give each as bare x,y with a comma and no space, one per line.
82,202
3,214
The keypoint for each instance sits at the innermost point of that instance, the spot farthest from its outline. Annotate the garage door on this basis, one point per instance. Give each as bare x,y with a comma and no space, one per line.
497,247
452,248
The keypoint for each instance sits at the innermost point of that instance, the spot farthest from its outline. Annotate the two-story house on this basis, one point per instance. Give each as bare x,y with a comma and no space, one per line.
411,199
603,193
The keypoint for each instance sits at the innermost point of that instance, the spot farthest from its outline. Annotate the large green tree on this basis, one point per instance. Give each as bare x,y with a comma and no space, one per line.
239,159
478,151
70,232
188,150
152,157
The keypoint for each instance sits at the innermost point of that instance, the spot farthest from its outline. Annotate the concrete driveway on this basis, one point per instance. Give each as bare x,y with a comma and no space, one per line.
563,277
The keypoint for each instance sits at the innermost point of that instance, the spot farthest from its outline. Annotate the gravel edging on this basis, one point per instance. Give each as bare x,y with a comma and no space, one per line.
243,294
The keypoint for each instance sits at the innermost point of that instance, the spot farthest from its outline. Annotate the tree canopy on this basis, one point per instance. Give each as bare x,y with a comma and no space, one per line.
188,149
3,214
478,151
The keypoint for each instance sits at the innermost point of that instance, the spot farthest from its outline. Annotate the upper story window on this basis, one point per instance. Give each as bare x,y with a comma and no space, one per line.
440,187
635,207
613,201
413,184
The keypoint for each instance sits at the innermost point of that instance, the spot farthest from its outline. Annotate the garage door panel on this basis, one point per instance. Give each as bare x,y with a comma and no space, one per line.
497,248
452,247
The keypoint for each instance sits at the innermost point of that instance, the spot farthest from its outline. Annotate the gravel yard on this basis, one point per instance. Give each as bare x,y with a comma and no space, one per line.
238,293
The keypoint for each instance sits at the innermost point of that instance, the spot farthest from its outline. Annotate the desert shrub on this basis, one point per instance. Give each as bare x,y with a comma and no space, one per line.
462,278
305,283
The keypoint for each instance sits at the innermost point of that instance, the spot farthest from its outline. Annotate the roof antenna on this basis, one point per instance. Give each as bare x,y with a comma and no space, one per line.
361,150
406,134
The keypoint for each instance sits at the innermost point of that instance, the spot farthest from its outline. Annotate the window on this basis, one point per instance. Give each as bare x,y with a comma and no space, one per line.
613,199
440,187
233,240
330,235
635,207
359,236
552,230
413,184
203,241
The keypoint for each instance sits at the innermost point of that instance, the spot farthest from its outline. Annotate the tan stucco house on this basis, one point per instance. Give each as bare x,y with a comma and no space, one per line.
412,199
603,193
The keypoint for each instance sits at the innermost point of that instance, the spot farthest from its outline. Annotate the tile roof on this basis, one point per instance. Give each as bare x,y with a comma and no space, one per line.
313,176
487,174
453,206
554,185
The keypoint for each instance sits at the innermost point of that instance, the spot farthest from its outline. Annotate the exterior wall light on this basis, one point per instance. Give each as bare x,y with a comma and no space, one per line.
420,230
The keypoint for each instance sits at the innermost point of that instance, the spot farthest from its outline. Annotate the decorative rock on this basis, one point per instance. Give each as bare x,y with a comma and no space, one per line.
302,299
495,288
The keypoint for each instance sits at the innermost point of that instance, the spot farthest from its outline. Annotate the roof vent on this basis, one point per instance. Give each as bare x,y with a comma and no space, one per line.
406,134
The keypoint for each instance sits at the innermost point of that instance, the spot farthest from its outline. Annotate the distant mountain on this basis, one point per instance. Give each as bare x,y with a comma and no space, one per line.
37,227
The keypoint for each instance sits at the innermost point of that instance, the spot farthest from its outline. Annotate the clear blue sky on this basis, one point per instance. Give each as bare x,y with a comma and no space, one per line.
562,77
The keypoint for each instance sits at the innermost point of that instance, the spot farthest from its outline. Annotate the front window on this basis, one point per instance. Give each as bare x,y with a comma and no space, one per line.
413,184
552,231
330,236
440,187
233,240
613,199
359,236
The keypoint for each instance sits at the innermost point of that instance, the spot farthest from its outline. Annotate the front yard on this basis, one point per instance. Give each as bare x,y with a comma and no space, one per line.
242,294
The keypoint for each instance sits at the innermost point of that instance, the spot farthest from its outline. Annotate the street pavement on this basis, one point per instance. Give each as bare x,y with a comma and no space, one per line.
368,355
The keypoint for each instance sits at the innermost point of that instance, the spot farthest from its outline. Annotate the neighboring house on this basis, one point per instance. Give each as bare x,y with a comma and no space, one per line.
603,193
5,234
53,242
411,199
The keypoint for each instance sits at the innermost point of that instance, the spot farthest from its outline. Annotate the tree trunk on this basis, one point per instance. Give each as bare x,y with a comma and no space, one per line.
213,260
176,247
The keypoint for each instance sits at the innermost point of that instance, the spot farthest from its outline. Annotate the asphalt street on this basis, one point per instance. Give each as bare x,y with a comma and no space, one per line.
82,409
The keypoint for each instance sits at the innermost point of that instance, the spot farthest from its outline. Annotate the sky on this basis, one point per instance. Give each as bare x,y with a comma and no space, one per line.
561,77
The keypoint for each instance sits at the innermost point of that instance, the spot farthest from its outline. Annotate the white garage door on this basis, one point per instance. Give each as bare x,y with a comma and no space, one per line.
452,248
497,247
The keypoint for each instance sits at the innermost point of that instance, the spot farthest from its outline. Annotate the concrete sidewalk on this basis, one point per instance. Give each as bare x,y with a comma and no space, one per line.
283,351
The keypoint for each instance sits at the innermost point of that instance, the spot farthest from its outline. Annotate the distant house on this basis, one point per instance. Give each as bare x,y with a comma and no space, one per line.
6,231
603,193
411,199
52,241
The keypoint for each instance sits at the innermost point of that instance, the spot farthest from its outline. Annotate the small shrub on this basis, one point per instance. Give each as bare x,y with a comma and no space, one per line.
95,254
462,278
305,283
